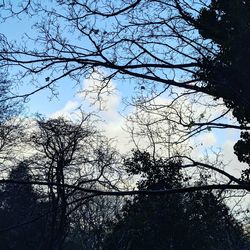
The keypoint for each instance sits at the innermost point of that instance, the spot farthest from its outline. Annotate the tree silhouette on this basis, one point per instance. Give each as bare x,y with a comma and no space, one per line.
22,220
187,50
190,221
69,158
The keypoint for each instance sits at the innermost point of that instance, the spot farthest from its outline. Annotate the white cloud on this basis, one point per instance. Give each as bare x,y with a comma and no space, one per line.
234,166
107,109
114,123
67,110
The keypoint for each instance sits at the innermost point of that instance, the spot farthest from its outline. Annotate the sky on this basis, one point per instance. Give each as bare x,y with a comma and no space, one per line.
69,98
114,126
112,121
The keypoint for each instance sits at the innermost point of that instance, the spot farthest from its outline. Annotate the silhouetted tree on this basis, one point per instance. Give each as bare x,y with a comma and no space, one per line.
69,153
22,220
226,73
10,124
190,221
199,47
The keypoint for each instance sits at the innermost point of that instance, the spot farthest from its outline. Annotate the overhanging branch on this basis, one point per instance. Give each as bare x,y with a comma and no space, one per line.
134,192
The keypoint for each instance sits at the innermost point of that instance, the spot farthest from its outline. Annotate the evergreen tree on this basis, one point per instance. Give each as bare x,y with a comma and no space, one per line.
184,221
226,74
21,216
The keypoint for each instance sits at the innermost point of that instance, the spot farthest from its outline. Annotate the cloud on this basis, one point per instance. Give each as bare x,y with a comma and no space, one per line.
106,106
234,166
67,110
110,102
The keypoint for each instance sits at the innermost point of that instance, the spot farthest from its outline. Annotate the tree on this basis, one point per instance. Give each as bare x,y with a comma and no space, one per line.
69,157
229,67
170,49
195,52
226,73
92,222
10,125
190,221
22,223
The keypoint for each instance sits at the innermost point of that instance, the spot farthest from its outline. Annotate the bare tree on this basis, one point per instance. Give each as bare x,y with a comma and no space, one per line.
162,47
73,154
10,125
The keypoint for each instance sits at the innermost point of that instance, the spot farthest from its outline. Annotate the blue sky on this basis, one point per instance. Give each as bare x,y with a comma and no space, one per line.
67,98
44,102
40,102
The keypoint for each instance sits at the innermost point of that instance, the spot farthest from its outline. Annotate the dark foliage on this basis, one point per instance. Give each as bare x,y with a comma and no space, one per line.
226,74
21,215
226,23
191,221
